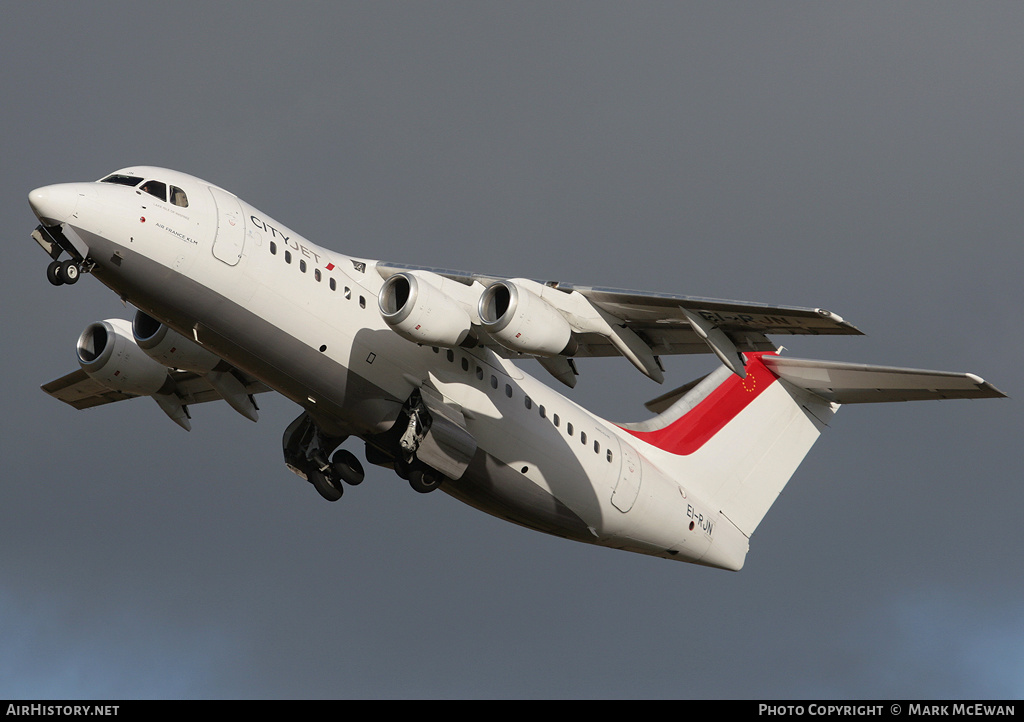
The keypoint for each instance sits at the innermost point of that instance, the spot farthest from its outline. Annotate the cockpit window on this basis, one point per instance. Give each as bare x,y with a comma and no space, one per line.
122,180
178,197
155,189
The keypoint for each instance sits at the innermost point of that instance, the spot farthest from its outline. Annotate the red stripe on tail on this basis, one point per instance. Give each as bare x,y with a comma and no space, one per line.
693,429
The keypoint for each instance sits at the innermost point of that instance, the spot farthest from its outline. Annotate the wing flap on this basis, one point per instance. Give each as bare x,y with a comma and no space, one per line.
644,309
79,390
847,383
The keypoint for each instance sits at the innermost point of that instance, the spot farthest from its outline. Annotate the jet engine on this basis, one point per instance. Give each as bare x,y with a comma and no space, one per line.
108,354
420,312
170,348
522,321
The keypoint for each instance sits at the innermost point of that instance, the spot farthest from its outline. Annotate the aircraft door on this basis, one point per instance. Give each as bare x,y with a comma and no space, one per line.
230,239
628,486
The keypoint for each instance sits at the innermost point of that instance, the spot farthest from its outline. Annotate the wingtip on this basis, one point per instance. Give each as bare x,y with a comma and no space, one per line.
839,321
983,385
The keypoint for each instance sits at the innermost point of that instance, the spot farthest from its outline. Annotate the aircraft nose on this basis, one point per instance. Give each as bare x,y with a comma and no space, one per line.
53,204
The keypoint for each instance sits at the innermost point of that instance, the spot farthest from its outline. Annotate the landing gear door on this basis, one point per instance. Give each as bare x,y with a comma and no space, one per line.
447,446
230,240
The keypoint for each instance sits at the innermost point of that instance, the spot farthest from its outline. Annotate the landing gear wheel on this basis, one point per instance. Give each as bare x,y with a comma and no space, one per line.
68,272
53,274
424,480
345,466
323,484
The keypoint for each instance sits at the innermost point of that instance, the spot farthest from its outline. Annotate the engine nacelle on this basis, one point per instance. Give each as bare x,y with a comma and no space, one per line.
420,312
522,321
109,354
170,348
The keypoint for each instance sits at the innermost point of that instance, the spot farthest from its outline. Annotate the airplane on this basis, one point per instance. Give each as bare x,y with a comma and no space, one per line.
423,366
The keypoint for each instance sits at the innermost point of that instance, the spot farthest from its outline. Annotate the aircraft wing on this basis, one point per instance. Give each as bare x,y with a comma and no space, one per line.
663,323
79,390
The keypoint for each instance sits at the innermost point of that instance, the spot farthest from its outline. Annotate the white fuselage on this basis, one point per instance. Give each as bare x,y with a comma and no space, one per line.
304,320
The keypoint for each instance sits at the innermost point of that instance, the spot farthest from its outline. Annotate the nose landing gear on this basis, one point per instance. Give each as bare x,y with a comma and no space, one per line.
63,272
52,240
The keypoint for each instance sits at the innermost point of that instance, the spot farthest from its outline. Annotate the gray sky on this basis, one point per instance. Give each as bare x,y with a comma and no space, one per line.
863,157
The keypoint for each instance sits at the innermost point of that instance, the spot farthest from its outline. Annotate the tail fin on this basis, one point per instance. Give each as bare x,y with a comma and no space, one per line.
737,441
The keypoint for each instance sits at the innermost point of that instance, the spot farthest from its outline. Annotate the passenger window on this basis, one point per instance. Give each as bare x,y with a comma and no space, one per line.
334,284
528,401
583,437
568,428
287,256
273,248
316,274
508,390
494,382
554,419
178,197
479,373
302,265
155,189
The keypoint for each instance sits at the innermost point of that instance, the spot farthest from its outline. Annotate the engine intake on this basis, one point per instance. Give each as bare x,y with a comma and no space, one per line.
108,353
420,312
522,321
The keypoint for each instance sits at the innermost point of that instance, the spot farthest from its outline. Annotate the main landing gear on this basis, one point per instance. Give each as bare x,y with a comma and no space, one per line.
306,449
400,448
344,467
420,476
307,453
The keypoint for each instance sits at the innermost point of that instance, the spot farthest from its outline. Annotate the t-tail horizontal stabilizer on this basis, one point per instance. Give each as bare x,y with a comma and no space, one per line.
848,383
